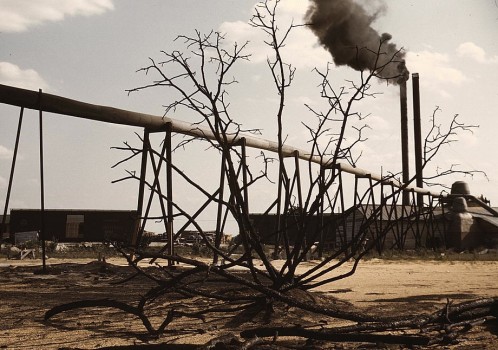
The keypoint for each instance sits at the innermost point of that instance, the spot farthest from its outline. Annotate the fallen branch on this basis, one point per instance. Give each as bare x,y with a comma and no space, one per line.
468,314
337,337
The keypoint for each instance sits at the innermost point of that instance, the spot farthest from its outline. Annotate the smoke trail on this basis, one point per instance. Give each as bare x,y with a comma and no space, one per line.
344,28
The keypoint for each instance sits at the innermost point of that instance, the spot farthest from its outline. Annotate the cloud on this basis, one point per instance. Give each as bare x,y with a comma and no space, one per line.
5,153
301,50
13,75
294,8
21,15
474,52
435,65
378,123
436,69
241,32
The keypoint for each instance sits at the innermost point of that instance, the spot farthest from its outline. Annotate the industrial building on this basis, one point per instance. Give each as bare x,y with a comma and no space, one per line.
75,225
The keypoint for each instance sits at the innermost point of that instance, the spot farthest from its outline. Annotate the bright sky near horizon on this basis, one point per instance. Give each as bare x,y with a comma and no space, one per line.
89,50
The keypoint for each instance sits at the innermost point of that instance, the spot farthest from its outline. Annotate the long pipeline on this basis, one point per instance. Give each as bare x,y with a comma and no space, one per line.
60,105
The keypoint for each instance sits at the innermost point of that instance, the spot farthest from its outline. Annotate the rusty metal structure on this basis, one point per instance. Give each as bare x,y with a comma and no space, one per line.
412,213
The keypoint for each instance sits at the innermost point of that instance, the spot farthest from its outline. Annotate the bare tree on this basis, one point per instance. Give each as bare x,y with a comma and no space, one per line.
440,136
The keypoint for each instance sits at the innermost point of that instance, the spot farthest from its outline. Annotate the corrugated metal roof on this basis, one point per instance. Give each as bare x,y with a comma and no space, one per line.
481,214
480,211
493,220
79,210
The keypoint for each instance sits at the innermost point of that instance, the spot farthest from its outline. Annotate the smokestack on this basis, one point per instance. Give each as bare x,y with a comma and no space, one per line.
418,137
344,28
404,140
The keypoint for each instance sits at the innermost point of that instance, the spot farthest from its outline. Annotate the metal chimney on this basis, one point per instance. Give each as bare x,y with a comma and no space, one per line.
418,137
404,140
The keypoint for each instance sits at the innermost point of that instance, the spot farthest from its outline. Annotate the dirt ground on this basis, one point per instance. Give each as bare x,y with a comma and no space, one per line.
379,286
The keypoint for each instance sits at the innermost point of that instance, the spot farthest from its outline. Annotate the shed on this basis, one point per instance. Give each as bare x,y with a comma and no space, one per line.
77,225
399,225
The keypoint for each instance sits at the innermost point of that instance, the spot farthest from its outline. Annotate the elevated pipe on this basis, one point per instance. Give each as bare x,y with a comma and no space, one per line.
65,106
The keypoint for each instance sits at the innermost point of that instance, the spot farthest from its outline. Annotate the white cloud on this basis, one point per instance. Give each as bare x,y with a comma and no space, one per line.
294,7
436,69
5,153
241,32
435,65
474,52
20,15
13,75
378,123
301,50
471,50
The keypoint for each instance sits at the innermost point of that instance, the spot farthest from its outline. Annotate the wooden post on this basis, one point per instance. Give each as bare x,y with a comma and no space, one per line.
42,189
219,215
169,192
143,170
322,204
11,177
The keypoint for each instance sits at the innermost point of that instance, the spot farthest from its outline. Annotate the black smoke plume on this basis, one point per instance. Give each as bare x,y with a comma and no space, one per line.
344,28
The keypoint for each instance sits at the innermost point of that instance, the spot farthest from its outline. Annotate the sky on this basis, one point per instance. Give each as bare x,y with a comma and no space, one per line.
90,50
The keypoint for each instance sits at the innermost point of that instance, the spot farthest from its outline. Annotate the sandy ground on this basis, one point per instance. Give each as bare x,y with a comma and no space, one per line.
387,287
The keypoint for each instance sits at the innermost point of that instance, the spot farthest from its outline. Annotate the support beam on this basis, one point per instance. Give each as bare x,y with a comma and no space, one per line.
169,192
42,186
11,177
137,236
219,215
